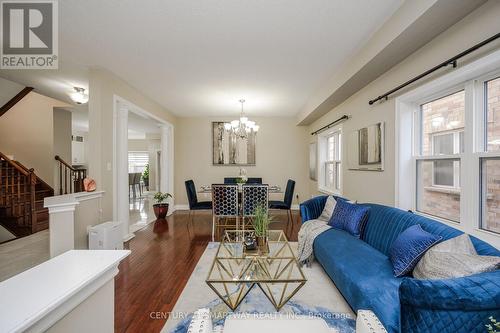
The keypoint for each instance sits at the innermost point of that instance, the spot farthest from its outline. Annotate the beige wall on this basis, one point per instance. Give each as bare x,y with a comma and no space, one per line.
62,141
380,186
103,86
281,153
27,133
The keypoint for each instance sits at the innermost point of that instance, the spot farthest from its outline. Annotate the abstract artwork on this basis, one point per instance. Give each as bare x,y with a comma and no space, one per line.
229,149
366,148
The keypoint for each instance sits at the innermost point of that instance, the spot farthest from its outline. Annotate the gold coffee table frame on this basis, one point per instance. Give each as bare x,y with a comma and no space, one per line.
234,272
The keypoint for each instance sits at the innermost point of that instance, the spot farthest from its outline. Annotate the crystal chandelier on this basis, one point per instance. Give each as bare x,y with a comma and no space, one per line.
242,127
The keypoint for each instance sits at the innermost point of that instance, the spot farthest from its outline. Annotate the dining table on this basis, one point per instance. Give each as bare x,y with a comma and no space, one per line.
273,189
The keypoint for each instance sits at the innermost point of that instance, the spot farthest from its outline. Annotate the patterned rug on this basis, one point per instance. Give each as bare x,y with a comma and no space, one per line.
318,298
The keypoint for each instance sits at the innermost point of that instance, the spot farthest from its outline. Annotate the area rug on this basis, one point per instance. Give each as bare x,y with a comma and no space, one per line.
319,297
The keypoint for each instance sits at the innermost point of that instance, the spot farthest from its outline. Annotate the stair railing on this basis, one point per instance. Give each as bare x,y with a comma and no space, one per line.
18,191
70,179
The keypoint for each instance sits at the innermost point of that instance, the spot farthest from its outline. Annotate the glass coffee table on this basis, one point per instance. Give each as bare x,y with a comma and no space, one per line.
235,271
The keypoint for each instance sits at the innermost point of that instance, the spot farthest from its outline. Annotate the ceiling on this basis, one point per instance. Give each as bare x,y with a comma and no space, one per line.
199,58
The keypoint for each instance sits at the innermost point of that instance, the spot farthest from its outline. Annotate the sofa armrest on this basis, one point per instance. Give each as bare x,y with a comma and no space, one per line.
312,208
460,304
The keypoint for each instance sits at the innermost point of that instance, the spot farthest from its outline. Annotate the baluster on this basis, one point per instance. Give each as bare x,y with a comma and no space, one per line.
65,180
60,178
32,200
19,201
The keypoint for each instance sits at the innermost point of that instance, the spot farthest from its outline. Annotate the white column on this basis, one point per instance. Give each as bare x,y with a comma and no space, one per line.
121,169
166,184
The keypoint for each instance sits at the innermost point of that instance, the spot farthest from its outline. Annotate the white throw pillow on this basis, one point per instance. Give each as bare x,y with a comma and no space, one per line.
328,210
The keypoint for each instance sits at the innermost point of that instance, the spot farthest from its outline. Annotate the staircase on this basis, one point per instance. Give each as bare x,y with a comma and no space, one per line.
21,198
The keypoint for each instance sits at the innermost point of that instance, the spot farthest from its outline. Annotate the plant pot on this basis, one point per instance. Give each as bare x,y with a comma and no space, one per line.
160,210
146,183
262,244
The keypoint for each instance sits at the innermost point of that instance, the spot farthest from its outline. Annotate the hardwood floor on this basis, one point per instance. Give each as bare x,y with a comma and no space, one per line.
164,254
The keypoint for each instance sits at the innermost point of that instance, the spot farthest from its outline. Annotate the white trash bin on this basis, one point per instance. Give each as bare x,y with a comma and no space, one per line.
106,236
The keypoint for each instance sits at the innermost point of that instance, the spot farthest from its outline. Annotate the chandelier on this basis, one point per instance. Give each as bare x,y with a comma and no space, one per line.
242,127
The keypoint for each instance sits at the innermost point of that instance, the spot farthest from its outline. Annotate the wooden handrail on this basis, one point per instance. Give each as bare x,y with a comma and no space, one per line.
76,177
15,165
65,163
14,100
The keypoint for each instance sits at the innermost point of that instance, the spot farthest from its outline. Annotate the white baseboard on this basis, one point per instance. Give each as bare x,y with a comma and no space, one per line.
181,207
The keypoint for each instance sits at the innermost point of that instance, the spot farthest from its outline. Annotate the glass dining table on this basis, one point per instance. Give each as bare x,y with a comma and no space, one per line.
207,189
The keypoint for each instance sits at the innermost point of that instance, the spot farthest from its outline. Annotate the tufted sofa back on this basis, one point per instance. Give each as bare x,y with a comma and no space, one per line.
386,223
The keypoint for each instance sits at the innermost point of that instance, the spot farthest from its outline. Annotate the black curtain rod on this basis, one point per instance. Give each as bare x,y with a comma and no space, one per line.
344,117
452,61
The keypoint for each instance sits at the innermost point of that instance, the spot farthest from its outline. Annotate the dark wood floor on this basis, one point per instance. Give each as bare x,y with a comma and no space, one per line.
163,257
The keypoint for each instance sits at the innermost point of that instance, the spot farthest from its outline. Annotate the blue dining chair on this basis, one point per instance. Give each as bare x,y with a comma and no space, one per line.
286,204
194,204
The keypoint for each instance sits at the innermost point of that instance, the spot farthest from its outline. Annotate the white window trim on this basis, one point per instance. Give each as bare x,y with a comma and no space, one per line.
469,76
322,161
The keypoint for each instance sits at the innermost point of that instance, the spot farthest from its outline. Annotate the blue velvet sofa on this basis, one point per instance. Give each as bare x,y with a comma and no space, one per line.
362,271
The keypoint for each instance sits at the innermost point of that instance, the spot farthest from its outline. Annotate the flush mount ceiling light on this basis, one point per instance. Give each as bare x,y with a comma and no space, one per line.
243,126
79,96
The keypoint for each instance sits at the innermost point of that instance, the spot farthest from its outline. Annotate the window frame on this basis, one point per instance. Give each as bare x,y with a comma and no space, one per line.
324,161
470,76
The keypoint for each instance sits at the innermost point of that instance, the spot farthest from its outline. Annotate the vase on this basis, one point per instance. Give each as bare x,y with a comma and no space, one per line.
262,244
160,210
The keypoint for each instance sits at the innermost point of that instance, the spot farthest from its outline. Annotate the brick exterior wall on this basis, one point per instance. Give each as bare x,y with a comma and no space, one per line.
446,115
492,167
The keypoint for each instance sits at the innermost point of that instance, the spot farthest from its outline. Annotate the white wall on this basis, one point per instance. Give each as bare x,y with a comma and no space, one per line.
281,153
103,87
380,186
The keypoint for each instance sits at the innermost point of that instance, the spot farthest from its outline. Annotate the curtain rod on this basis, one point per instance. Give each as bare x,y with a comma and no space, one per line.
452,61
344,117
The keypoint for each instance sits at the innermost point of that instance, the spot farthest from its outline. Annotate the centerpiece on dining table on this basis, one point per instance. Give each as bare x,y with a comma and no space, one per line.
242,177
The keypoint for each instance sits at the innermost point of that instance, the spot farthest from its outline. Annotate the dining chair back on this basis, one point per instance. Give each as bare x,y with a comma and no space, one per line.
290,188
254,196
224,206
254,180
191,193
230,180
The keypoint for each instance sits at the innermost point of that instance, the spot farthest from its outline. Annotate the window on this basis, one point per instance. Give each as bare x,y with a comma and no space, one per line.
492,97
490,161
448,148
441,143
447,172
330,162
137,161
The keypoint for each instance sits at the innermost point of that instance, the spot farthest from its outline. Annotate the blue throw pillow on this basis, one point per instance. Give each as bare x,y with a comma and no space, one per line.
349,217
409,247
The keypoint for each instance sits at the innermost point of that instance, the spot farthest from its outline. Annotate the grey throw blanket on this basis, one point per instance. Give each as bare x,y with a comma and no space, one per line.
307,233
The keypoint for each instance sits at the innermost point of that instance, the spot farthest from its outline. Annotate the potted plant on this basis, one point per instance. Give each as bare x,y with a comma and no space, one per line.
145,177
261,221
161,205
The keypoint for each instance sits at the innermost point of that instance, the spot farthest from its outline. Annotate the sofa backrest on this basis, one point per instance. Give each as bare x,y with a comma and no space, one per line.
386,223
